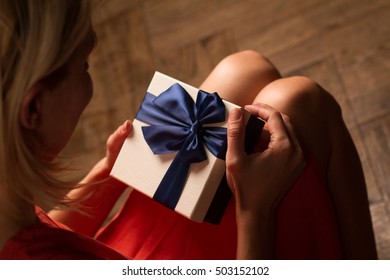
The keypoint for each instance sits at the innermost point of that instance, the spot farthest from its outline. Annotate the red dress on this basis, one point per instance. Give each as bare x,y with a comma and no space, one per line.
48,240
306,227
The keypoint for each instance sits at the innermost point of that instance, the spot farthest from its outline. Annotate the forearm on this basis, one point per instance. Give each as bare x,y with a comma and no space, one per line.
255,236
96,200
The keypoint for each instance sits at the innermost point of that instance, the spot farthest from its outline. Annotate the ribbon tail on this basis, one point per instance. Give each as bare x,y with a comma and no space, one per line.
172,184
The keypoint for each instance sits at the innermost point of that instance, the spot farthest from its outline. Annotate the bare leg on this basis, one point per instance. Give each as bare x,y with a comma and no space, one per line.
247,76
318,120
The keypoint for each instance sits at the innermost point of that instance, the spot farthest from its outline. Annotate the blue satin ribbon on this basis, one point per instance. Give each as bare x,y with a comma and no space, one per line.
177,124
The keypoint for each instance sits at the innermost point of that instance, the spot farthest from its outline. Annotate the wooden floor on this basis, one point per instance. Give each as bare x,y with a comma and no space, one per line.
343,44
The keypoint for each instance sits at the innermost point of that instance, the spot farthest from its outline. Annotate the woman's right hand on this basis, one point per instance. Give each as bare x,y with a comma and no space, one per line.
261,179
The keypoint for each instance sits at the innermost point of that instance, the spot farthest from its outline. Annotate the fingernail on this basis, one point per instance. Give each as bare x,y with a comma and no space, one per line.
128,123
125,126
235,115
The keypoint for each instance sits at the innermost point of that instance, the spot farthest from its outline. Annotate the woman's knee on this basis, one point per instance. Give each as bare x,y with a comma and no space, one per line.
313,111
299,96
249,65
241,76
313,96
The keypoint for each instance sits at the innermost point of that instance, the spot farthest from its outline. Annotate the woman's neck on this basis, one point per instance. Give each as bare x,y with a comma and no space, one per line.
14,218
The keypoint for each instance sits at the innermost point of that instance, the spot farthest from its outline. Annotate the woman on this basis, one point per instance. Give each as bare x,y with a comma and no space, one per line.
45,86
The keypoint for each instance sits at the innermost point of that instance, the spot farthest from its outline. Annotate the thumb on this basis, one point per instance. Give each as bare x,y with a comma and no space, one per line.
115,142
235,134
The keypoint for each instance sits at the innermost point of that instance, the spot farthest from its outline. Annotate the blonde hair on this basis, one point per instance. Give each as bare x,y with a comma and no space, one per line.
36,39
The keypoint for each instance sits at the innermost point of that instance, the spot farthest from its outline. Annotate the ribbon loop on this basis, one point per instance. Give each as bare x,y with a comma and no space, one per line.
176,124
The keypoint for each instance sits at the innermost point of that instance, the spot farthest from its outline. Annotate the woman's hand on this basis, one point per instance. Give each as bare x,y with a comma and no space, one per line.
260,180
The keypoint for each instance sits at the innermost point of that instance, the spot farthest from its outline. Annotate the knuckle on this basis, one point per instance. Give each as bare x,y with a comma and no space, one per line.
232,165
110,140
110,143
234,131
286,118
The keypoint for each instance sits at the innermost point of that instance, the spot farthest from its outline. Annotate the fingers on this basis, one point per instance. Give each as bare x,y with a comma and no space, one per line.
275,123
279,125
261,110
277,128
115,141
235,148
236,134
291,131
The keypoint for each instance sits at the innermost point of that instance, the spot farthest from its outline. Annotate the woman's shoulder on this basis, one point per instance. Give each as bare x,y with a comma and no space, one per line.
45,239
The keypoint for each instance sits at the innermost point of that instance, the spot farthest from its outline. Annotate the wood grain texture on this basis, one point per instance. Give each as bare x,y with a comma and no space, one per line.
342,44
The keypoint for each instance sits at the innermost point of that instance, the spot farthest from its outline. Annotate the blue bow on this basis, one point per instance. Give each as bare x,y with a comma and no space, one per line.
177,124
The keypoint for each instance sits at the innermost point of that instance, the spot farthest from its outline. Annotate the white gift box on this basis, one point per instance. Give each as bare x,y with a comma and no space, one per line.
205,194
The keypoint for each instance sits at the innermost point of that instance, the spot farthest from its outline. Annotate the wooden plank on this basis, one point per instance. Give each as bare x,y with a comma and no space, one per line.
376,136
366,78
375,192
314,24
381,221
194,62
182,22
305,42
110,9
